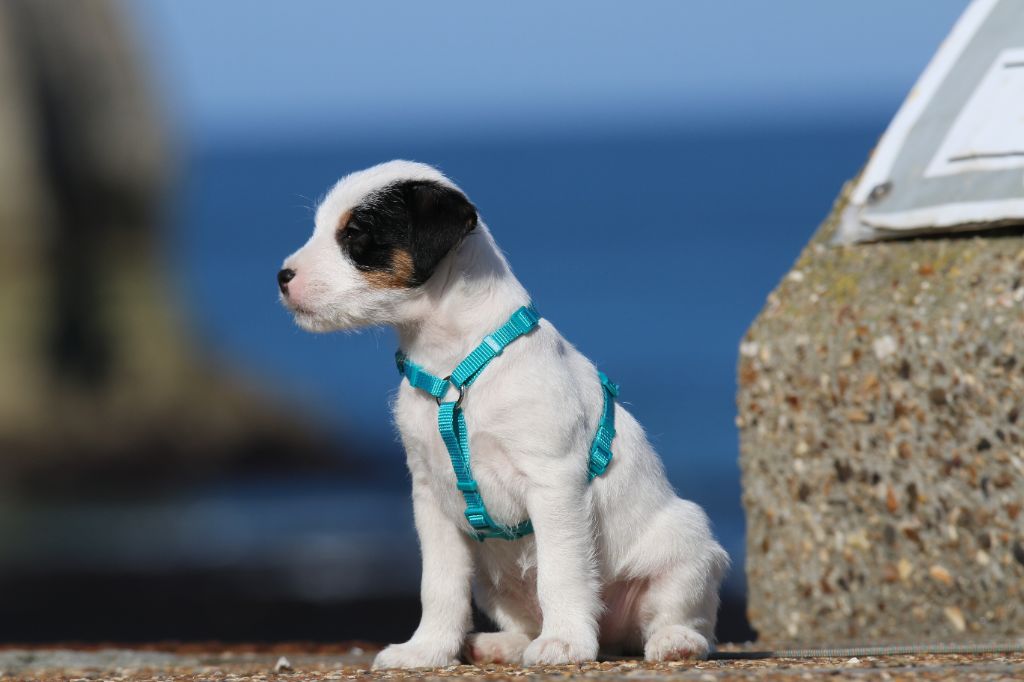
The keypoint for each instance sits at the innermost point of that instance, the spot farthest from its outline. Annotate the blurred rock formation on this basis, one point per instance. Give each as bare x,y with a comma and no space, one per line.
97,371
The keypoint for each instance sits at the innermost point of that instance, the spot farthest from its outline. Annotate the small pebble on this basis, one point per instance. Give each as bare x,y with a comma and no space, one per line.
941,575
956,617
283,665
884,347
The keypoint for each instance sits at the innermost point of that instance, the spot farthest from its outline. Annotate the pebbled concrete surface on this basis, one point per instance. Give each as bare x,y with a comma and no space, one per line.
881,417
175,663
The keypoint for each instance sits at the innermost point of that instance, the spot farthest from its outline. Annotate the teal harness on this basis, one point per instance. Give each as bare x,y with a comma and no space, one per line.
452,424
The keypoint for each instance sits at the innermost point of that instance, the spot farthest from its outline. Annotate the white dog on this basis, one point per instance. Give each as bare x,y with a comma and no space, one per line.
618,561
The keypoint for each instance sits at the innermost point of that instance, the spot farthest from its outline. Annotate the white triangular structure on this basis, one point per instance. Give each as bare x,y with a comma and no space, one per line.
952,159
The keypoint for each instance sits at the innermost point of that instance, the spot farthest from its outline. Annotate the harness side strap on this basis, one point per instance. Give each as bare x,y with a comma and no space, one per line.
601,448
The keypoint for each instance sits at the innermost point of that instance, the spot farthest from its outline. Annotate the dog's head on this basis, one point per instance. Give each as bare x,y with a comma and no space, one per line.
380,235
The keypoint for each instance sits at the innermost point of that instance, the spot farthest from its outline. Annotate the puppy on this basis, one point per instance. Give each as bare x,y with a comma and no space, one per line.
619,561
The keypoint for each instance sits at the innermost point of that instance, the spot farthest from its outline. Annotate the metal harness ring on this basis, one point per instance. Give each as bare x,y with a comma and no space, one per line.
460,389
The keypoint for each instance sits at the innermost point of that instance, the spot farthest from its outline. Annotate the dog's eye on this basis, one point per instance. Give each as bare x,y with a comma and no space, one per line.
350,232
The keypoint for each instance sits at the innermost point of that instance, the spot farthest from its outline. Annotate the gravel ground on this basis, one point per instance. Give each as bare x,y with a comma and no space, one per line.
189,663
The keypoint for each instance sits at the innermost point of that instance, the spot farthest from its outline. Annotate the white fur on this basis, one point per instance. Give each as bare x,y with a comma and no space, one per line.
621,561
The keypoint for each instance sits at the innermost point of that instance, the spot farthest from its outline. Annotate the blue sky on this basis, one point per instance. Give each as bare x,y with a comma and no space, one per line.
235,70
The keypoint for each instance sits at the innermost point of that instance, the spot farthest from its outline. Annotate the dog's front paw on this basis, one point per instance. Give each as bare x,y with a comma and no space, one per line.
496,647
557,650
414,654
676,643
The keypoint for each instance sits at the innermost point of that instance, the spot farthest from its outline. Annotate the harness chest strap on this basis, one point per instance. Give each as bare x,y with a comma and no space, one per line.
452,423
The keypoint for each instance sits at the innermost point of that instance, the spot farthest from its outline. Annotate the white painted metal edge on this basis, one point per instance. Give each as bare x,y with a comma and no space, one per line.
947,215
880,164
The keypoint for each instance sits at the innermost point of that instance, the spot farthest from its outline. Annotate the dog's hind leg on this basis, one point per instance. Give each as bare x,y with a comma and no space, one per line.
510,609
678,611
497,647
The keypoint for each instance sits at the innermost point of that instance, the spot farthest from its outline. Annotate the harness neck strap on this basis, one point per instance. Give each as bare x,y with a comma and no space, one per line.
521,322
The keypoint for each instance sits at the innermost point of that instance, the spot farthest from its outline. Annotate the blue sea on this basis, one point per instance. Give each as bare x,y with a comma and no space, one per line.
652,251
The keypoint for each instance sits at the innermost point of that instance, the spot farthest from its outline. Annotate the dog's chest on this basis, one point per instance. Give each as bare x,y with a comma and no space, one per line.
430,462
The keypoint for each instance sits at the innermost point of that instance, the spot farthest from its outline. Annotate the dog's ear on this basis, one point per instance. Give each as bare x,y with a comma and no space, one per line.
439,218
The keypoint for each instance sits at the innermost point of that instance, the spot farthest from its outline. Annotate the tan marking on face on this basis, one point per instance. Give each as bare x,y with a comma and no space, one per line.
343,220
399,276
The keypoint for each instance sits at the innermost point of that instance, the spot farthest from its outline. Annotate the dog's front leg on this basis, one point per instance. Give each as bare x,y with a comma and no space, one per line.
567,580
444,590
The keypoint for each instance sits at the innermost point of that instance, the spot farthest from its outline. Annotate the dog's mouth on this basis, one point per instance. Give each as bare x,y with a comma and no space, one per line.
302,316
298,309
293,307
305,317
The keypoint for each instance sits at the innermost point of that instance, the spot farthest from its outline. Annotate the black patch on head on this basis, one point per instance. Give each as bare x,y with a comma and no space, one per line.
424,219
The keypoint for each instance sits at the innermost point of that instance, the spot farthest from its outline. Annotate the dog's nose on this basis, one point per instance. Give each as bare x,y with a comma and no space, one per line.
283,277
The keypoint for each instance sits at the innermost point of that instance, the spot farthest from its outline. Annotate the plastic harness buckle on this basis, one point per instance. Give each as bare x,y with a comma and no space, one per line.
527,317
493,344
